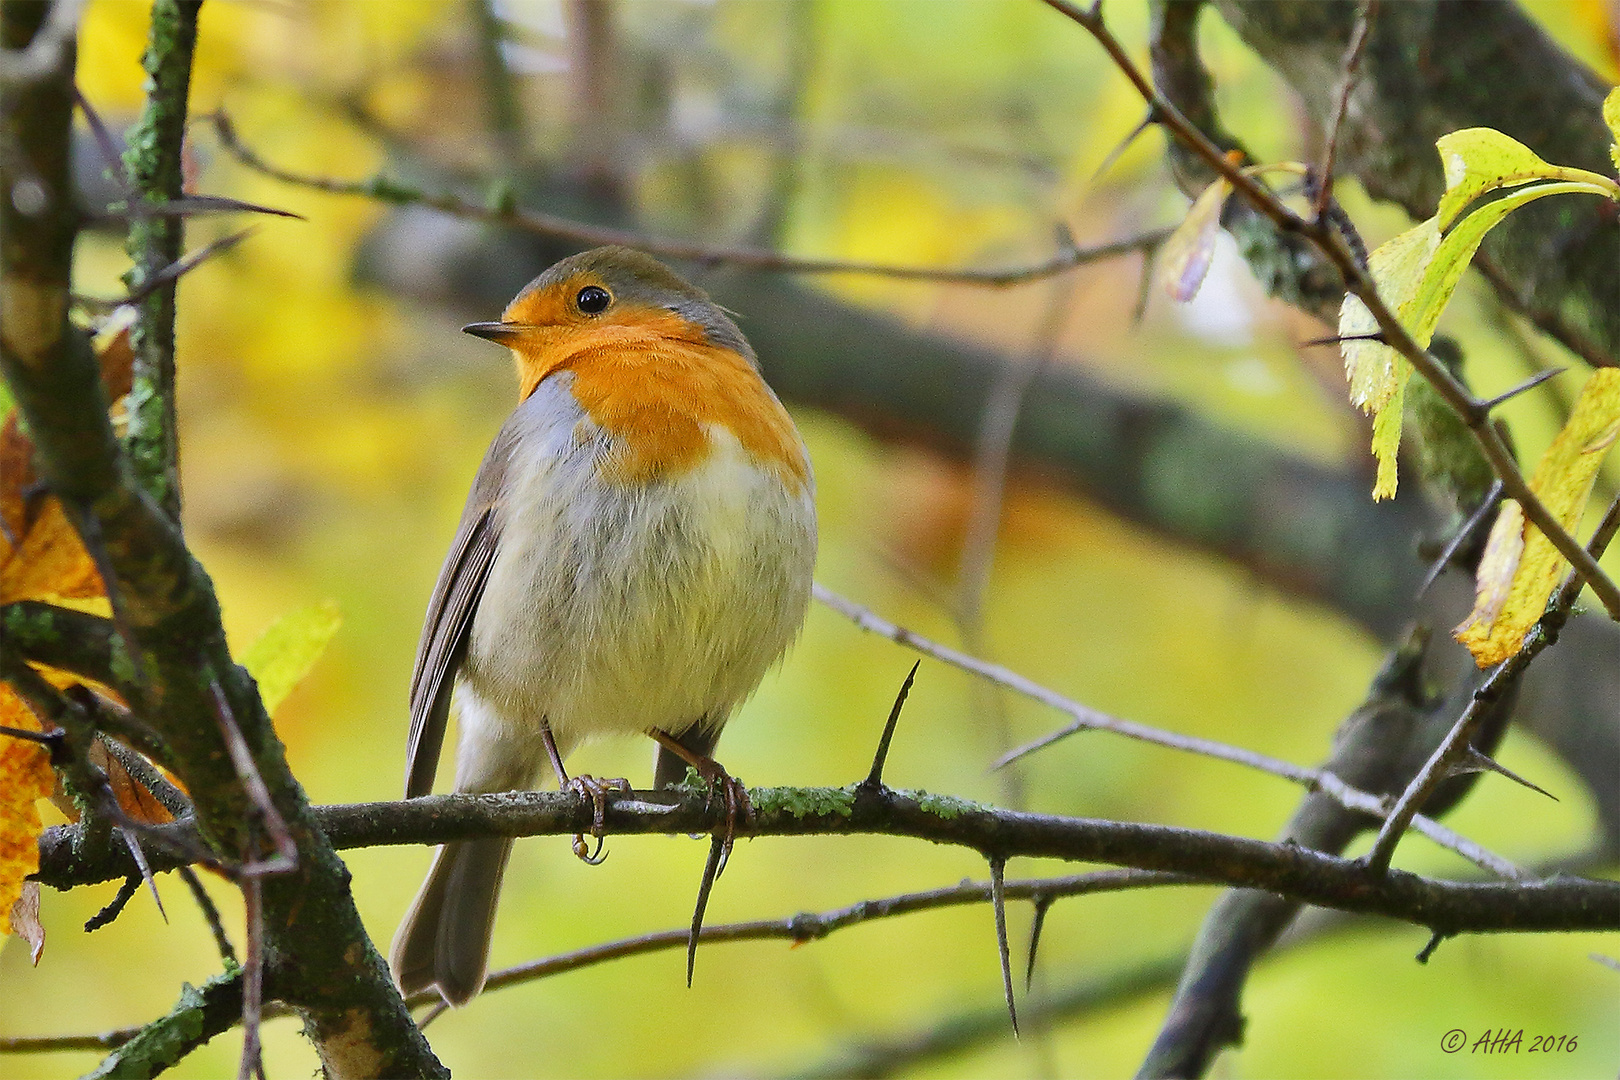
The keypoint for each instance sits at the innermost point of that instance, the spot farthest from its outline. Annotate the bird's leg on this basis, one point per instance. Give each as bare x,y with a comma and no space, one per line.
588,787
720,781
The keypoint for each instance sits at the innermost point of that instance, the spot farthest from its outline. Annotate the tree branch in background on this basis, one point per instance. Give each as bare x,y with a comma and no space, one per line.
550,225
1324,781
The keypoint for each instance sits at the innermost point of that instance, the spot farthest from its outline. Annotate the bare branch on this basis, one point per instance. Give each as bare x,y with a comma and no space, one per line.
1350,69
542,224
1501,682
1088,719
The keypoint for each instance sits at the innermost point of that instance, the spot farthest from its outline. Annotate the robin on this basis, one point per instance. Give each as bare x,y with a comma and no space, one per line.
636,551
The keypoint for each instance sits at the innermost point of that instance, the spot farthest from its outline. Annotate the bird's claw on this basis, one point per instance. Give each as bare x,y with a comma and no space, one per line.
589,787
738,806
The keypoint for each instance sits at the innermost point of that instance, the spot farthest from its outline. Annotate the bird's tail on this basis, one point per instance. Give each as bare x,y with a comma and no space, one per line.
444,940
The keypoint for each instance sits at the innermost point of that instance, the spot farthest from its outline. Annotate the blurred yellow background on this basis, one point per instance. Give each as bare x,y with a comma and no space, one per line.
330,430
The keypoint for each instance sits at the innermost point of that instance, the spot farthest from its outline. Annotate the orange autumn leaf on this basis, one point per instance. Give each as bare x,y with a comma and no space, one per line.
25,778
1520,567
41,558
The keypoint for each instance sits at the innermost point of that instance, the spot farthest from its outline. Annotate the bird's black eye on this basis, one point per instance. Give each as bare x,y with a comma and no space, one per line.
593,300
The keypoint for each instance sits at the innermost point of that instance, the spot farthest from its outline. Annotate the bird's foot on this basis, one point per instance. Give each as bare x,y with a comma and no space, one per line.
734,795
589,787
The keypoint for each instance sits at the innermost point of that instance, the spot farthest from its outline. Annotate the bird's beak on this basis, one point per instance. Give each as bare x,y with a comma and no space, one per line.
492,331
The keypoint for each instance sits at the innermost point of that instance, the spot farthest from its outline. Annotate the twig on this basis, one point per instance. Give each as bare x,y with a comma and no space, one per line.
286,857
1350,70
543,224
991,458
210,912
252,1063
115,907
1326,239
1440,764
1086,718
809,926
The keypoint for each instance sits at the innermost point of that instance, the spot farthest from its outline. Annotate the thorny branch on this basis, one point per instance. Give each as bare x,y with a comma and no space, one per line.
1088,719
1325,237
1448,754
1312,877
506,213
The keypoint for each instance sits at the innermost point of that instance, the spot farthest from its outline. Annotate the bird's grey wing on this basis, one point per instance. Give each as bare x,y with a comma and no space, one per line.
449,621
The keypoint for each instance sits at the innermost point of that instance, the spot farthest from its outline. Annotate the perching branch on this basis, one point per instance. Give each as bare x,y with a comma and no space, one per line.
1088,719
1315,878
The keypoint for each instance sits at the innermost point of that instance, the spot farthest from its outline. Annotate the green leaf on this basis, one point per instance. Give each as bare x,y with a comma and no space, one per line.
1479,160
1611,116
1416,272
1397,266
1456,251
286,652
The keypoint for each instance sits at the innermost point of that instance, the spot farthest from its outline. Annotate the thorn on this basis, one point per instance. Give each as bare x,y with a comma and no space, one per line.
1337,339
1434,943
1462,536
139,856
114,161
998,900
1476,762
1529,384
192,206
1124,144
711,870
874,779
180,267
44,738
1042,904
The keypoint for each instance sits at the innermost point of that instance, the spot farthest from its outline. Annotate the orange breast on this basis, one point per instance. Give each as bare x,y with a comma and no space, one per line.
654,382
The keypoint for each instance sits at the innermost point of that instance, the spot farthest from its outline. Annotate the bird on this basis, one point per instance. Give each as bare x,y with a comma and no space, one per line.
636,552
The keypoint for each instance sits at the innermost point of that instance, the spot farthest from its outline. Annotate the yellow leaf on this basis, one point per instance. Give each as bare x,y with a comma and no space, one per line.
1386,436
287,651
1479,160
1184,260
25,778
1611,116
1521,567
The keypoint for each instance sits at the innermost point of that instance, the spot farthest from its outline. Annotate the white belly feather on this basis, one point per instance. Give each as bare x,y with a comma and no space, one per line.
613,609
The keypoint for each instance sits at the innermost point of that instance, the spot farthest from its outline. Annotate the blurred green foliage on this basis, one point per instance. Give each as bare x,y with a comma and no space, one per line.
330,431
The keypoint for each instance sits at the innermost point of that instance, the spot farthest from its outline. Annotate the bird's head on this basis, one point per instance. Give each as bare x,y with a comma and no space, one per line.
602,298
